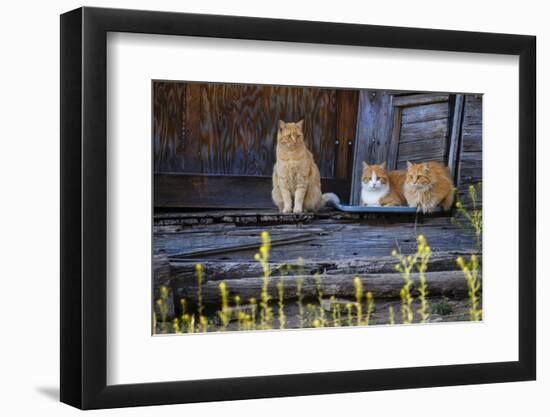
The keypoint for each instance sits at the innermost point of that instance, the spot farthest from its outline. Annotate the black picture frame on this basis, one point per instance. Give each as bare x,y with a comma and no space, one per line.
84,207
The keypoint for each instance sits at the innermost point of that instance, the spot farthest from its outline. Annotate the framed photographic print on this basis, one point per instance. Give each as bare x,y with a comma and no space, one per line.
257,208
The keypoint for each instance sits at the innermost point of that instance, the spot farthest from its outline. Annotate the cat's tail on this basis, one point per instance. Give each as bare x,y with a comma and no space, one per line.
330,200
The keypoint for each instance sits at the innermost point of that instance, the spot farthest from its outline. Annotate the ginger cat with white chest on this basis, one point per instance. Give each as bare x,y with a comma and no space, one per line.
428,185
380,187
296,177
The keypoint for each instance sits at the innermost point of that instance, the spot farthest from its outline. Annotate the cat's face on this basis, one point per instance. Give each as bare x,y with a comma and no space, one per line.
375,176
290,135
418,175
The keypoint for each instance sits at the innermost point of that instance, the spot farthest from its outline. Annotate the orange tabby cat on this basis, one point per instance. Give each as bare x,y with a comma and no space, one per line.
380,187
428,185
296,178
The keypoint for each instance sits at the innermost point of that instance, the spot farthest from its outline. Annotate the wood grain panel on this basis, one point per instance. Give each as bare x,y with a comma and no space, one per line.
192,128
239,126
425,113
346,123
231,128
169,126
419,151
427,130
418,99
424,128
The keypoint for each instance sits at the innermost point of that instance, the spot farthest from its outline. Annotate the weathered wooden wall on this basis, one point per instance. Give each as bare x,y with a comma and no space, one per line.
423,132
346,125
231,129
169,127
470,166
397,127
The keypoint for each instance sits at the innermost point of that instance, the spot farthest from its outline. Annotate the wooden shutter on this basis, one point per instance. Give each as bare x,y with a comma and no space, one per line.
421,129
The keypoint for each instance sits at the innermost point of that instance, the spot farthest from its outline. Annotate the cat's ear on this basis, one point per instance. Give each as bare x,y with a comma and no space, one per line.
383,165
409,164
300,124
281,125
365,165
426,168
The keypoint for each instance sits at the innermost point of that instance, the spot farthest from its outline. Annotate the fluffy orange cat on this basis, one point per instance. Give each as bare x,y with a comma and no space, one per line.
296,178
380,187
428,185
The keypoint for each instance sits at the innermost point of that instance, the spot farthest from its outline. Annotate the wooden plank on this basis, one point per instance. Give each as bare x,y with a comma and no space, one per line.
470,167
168,126
418,99
299,238
422,150
346,123
425,112
432,129
472,143
342,240
215,270
393,147
211,191
374,125
192,128
386,286
454,141
472,156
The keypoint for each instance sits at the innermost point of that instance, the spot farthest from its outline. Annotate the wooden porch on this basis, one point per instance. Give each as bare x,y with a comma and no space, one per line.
335,247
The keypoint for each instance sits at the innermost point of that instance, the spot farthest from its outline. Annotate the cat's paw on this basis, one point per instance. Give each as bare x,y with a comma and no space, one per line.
286,210
298,210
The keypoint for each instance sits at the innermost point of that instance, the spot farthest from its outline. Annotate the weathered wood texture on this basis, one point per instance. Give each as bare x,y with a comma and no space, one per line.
470,167
331,240
449,283
374,127
169,126
454,139
184,270
424,129
346,117
219,191
420,99
336,248
231,128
